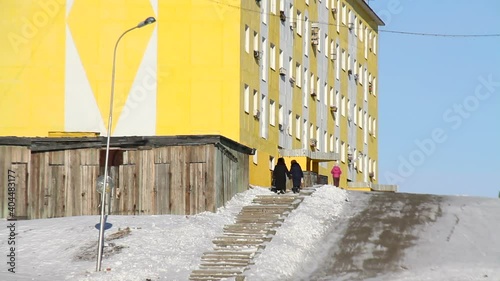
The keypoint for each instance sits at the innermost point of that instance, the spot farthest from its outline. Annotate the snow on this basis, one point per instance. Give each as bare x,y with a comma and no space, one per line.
169,247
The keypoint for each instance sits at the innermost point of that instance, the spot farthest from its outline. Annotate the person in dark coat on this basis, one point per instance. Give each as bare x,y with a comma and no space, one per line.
280,173
297,176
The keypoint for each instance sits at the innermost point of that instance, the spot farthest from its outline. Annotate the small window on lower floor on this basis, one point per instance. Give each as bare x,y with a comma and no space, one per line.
255,160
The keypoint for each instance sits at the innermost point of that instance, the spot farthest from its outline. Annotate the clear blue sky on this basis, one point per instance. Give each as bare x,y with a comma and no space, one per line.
439,125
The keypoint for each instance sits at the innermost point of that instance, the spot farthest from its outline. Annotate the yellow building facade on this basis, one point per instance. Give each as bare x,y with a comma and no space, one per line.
290,78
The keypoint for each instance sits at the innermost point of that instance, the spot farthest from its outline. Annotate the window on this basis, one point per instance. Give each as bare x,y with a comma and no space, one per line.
272,57
365,120
247,99
299,23
344,59
332,102
280,59
338,17
354,65
318,145
337,145
247,39
374,44
318,88
325,94
344,14
369,78
297,127
264,11
264,59
298,72
342,152
326,44
374,167
343,106
331,143
280,116
255,102
365,76
360,80
290,66
366,43
361,31
337,103
360,163
370,42
349,18
318,47
325,141
349,62
304,132
349,113
271,163
306,36
355,25
374,86
255,160
306,87
255,41
370,124
311,130
272,113
290,122
337,69
273,7
332,49
263,116
374,127
312,83
360,117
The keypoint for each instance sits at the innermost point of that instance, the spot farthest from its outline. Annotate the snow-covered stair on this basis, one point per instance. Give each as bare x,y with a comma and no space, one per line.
254,226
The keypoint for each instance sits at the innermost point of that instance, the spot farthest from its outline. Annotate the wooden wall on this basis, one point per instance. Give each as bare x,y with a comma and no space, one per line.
15,159
166,180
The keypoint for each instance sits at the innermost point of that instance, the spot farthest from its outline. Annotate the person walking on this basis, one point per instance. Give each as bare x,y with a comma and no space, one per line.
336,172
280,173
297,176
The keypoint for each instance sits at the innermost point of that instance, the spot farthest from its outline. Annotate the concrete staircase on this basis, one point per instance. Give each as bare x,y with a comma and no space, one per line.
254,226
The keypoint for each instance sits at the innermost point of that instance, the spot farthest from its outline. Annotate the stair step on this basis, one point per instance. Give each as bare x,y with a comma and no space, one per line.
260,220
226,258
222,264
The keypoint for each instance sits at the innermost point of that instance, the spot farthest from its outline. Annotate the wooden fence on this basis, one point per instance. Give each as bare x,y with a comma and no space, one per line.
182,179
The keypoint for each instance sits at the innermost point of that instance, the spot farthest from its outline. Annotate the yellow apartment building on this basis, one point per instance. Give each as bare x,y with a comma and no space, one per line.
288,78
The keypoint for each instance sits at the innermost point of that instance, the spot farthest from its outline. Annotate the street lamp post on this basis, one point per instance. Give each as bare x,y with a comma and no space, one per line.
147,21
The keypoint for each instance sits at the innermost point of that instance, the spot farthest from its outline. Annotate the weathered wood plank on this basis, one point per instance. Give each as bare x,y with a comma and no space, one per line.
57,157
89,156
127,185
161,195
21,194
55,182
5,163
197,188
210,187
177,188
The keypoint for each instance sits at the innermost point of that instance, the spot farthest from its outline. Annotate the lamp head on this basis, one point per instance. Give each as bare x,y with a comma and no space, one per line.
147,21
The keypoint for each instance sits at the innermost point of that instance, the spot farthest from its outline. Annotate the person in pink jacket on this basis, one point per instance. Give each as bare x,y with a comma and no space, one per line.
336,172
